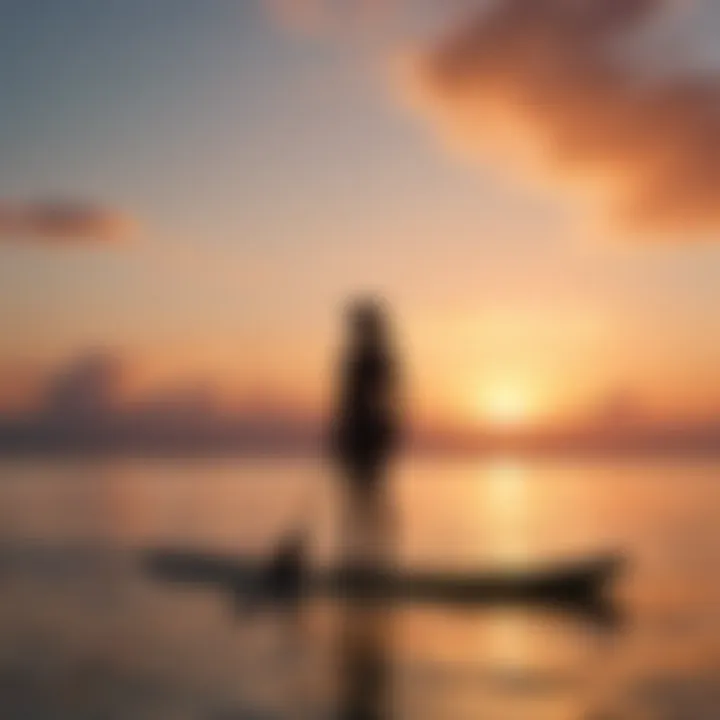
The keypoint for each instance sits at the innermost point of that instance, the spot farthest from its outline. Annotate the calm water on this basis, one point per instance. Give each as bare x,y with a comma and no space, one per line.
85,634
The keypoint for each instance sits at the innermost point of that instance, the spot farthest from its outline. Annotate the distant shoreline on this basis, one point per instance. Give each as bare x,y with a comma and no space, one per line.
192,454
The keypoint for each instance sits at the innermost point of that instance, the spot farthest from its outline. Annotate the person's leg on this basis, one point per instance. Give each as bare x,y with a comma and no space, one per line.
369,524
361,527
352,525
382,525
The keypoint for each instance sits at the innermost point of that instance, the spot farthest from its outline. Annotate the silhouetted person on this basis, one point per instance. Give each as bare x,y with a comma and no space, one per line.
282,581
366,429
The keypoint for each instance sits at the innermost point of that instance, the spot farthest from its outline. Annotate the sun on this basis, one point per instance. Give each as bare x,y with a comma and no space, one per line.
505,406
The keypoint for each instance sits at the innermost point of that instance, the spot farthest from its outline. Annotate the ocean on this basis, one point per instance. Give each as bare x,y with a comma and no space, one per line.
87,632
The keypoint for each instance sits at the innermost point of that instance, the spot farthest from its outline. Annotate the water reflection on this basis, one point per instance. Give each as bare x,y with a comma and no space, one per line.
502,503
364,663
75,607
512,663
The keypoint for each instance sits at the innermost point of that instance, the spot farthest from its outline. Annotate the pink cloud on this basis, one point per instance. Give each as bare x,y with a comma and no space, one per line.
56,222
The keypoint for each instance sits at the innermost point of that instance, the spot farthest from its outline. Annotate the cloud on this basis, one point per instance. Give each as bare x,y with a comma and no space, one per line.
57,222
88,387
565,87
86,405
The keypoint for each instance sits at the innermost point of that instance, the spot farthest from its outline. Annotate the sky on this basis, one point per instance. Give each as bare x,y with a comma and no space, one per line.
199,187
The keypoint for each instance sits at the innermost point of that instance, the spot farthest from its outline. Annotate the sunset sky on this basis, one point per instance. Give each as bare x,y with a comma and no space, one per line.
199,185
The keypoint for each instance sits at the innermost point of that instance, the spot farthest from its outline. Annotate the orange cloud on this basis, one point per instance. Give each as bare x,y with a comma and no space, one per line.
63,222
553,82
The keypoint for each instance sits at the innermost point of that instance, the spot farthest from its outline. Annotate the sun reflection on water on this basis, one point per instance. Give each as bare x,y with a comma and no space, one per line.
503,500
